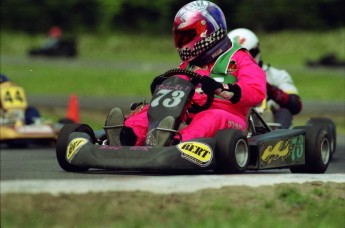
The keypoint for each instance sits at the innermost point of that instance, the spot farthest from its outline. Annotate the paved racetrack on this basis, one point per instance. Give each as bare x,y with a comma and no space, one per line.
36,170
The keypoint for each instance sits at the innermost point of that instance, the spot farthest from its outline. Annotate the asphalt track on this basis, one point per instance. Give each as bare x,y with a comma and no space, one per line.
35,170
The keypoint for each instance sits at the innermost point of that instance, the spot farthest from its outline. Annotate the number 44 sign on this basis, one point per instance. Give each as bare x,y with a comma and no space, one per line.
13,97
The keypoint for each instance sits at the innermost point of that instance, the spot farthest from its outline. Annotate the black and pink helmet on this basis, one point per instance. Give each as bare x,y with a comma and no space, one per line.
198,26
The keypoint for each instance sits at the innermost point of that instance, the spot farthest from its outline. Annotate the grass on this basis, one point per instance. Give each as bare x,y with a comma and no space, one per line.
125,64
301,205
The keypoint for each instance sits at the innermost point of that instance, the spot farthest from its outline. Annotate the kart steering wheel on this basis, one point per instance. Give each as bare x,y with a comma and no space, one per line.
195,80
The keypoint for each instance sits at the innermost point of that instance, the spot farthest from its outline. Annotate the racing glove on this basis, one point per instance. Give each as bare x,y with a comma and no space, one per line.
290,101
277,95
230,92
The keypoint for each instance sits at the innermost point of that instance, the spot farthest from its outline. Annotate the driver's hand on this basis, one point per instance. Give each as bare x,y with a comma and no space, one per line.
210,86
230,92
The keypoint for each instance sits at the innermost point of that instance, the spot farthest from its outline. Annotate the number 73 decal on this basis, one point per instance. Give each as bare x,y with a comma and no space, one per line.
168,98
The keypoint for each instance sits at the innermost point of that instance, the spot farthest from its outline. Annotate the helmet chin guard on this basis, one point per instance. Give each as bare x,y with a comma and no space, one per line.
202,46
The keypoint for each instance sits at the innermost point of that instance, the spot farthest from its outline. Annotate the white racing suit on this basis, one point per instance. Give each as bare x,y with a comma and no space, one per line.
282,96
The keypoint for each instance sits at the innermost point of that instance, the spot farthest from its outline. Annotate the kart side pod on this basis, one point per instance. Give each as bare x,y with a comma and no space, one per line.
277,149
195,155
77,152
304,149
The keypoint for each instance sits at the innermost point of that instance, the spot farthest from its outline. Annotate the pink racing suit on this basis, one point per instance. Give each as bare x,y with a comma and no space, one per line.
240,68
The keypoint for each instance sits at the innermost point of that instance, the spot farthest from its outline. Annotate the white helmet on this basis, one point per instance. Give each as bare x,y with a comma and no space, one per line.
248,40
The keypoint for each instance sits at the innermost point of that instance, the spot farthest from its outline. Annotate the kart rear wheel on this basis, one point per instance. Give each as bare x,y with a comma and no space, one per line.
232,151
331,130
317,150
62,144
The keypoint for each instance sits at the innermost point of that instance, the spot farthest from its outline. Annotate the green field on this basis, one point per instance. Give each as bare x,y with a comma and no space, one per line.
125,64
119,64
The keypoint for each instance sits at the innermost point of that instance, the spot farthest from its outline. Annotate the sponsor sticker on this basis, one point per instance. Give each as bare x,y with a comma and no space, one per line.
276,151
74,146
196,152
232,67
286,150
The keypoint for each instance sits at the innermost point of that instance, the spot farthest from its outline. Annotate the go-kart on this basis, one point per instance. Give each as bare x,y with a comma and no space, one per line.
21,124
265,111
62,48
305,149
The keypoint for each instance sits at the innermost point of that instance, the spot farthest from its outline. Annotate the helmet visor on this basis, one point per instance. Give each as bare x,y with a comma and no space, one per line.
181,37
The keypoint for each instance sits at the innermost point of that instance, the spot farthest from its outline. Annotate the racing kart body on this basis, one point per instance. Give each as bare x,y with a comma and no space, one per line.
302,149
21,124
265,110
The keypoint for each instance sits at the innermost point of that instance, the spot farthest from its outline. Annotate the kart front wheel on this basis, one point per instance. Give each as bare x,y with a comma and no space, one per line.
62,144
317,150
232,151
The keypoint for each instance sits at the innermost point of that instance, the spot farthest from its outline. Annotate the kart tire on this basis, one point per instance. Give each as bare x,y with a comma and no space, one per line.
65,121
232,151
62,144
317,150
331,130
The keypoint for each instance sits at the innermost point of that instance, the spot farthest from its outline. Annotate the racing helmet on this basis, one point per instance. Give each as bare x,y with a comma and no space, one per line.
55,32
198,26
247,39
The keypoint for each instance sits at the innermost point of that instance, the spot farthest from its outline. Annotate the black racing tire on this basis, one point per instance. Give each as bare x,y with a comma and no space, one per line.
65,121
62,144
331,130
317,150
232,151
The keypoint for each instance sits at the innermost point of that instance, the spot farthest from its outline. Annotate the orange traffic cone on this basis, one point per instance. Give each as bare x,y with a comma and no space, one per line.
73,109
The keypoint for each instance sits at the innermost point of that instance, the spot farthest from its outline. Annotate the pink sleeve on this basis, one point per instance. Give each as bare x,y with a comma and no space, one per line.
251,78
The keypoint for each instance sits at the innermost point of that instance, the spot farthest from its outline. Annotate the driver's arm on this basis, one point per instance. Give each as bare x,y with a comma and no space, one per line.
250,88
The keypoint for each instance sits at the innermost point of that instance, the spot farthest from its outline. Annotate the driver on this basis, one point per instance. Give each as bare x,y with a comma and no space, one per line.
14,105
282,94
227,70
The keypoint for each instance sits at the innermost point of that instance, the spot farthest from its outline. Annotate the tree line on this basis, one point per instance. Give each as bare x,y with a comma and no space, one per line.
150,16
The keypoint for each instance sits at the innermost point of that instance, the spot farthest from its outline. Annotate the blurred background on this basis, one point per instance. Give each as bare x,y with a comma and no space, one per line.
103,16
121,45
